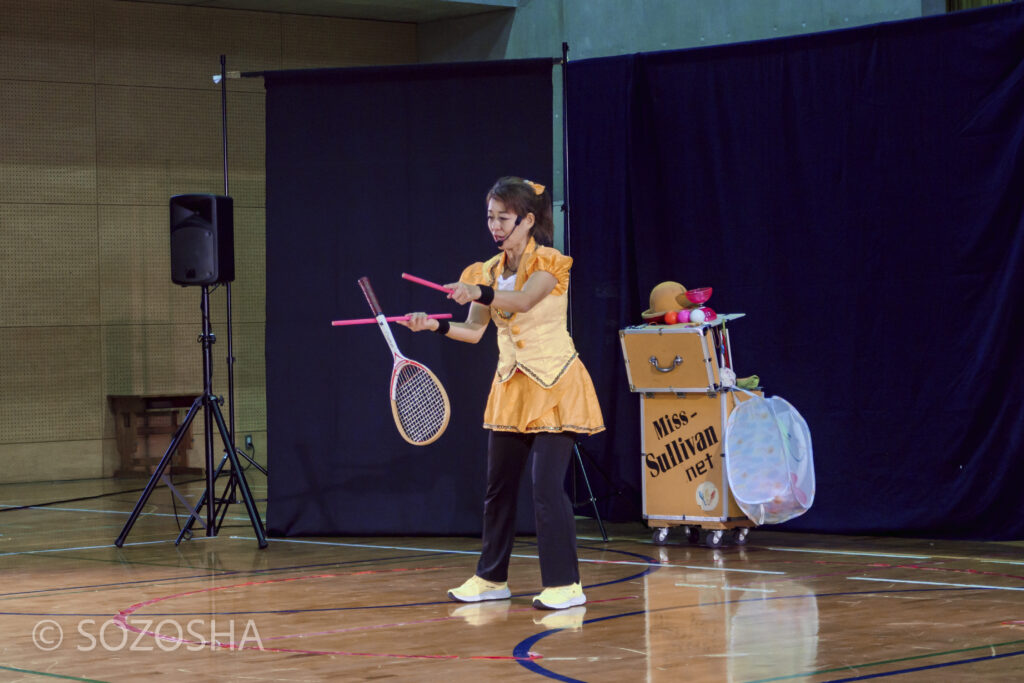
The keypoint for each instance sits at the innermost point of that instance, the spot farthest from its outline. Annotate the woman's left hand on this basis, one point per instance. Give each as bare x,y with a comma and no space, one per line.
418,322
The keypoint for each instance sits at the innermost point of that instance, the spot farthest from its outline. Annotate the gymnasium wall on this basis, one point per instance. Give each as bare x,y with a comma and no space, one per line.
107,109
603,28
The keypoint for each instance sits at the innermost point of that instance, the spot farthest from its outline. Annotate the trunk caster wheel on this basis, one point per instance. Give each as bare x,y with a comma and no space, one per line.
660,536
713,538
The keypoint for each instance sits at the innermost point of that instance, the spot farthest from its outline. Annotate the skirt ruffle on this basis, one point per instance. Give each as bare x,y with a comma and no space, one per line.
521,405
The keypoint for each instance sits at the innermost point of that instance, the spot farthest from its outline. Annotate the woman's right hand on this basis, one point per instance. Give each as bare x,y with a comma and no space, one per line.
462,293
419,322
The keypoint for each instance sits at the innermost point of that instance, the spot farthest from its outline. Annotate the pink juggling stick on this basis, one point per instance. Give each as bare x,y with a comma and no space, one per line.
394,318
426,283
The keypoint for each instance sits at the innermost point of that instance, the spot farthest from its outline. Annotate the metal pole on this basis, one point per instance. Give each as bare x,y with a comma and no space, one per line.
227,285
207,341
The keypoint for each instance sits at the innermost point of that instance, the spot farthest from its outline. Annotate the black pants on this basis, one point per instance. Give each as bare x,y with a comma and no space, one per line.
507,453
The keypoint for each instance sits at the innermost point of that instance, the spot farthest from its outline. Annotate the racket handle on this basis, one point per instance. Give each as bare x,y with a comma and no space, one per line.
371,298
394,318
425,283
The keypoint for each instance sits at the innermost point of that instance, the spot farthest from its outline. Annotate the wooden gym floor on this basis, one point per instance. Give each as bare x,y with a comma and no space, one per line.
783,607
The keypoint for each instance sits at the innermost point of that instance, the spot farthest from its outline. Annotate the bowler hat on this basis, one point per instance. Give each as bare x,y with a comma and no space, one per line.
666,296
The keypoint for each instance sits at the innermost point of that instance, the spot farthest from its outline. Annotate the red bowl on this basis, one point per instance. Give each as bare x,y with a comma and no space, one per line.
699,295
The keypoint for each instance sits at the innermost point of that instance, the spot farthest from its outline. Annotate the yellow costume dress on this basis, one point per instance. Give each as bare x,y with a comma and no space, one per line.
540,385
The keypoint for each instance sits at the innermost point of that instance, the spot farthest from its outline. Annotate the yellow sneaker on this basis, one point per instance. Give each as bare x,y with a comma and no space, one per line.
560,597
482,613
477,590
570,619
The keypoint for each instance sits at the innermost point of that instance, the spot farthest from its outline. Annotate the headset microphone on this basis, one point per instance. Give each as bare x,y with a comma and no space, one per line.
501,242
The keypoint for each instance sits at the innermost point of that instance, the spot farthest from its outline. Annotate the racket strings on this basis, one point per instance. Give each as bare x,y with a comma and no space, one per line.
420,403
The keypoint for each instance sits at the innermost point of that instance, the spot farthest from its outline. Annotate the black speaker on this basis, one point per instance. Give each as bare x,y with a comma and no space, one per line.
202,239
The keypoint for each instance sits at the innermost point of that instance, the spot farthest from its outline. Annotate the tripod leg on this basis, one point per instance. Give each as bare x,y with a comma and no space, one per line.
243,486
187,528
252,462
221,504
158,473
226,499
590,491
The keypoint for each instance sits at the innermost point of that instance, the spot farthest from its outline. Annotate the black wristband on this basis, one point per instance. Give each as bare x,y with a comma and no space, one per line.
442,327
486,295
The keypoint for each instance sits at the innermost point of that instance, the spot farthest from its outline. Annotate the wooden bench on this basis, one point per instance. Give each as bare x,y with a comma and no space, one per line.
145,427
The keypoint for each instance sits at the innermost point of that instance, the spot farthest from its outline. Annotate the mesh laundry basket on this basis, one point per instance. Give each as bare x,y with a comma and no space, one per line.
769,459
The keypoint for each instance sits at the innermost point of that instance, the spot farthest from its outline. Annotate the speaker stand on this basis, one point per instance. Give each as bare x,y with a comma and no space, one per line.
212,415
226,498
577,450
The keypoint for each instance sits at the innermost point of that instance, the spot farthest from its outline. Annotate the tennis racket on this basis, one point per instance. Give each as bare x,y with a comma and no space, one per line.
418,400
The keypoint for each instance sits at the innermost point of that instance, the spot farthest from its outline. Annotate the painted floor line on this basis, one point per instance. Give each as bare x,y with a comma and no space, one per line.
727,588
84,547
213,574
364,545
520,556
48,508
882,662
944,665
936,583
849,552
719,569
913,557
982,559
49,675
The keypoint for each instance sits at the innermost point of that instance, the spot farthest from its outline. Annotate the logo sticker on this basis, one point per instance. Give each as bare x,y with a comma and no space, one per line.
707,496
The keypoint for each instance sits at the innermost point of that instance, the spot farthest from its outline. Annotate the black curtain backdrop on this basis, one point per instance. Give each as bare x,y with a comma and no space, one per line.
376,172
858,194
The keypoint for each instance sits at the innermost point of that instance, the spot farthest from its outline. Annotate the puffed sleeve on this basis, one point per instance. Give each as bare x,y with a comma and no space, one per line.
480,273
552,261
473,274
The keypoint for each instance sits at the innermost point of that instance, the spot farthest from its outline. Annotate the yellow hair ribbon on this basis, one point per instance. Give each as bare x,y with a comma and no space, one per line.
537,188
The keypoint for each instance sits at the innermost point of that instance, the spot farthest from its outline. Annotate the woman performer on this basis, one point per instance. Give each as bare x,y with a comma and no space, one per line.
541,398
